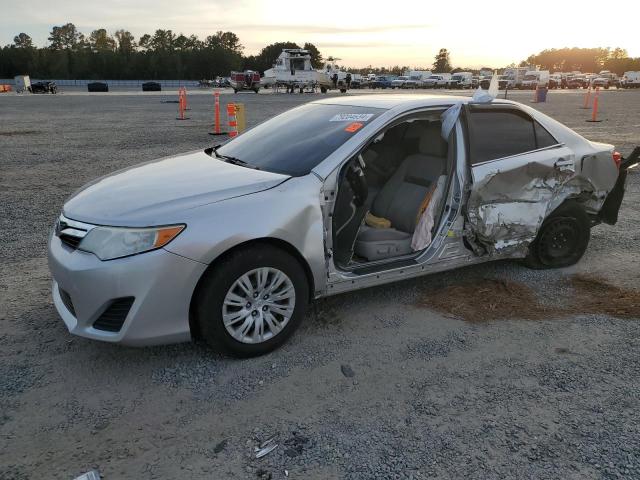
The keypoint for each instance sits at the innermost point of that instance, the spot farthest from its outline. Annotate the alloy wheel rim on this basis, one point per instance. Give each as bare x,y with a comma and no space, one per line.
259,305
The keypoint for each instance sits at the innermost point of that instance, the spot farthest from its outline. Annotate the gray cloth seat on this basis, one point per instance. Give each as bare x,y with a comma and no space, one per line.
400,198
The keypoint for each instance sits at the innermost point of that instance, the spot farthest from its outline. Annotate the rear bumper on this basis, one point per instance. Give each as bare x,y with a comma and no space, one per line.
611,206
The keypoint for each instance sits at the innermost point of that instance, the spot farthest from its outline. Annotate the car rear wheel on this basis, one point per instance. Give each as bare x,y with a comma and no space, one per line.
251,302
563,238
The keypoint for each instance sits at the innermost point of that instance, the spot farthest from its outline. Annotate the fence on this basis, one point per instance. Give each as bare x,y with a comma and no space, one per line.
112,83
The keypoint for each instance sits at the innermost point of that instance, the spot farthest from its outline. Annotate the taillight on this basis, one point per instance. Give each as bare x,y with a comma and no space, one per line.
617,158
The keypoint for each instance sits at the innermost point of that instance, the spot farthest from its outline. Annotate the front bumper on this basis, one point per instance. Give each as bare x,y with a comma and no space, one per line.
161,283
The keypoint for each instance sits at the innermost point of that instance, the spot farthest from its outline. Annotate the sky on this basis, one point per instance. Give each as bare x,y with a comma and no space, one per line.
379,33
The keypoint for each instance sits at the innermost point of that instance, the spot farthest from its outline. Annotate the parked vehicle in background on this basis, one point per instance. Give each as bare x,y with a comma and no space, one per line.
399,82
461,80
230,243
381,82
577,81
600,82
506,82
22,83
535,78
413,82
417,78
358,81
437,80
614,80
97,87
151,87
248,80
44,87
630,80
555,80
516,74
590,77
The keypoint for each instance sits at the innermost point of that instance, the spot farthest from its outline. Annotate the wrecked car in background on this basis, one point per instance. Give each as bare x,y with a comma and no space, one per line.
44,87
230,243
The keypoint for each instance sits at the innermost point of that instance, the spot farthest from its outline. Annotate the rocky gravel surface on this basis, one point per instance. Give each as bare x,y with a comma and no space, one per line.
373,385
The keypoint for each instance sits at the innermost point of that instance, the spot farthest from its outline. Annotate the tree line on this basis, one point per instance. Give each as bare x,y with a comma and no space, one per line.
164,54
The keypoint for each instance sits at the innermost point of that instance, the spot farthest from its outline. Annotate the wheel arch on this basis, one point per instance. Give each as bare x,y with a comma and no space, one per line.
272,241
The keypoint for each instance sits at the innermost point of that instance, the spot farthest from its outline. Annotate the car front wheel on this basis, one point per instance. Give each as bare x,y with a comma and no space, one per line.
252,301
562,239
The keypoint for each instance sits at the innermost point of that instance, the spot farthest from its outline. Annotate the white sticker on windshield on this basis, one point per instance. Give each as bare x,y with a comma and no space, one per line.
351,117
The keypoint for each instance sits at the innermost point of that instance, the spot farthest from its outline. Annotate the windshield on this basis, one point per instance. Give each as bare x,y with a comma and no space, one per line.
456,77
530,77
294,142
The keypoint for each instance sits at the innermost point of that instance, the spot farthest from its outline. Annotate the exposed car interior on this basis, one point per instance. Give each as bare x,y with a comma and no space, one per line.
391,195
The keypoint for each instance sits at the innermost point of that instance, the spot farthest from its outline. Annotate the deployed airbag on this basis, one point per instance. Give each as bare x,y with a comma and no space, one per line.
422,235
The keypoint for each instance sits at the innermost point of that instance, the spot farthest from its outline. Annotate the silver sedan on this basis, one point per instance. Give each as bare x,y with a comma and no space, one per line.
231,243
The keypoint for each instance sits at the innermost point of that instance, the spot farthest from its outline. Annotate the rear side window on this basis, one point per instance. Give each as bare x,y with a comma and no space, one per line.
543,137
497,133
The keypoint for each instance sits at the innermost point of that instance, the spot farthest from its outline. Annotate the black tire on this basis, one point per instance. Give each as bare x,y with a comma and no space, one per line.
218,281
562,239
323,89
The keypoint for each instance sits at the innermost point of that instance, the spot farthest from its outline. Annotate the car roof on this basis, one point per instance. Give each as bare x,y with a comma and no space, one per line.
389,101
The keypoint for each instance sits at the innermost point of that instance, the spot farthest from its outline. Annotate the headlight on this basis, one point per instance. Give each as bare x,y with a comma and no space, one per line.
108,243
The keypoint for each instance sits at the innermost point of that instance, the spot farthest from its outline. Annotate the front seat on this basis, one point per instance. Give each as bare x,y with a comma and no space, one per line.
400,198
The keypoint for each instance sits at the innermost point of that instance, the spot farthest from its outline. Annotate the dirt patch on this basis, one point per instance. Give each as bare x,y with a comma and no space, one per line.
594,295
500,300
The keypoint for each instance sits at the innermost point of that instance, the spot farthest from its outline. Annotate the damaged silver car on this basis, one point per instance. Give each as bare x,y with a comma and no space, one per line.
231,243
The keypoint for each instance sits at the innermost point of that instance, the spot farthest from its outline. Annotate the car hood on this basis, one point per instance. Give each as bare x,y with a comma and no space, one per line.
152,193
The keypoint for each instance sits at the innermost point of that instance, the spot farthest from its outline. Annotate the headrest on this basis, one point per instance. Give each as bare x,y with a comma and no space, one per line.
431,141
416,129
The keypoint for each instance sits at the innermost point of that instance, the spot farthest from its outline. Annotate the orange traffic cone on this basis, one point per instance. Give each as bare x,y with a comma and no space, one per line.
217,130
182,104
594,112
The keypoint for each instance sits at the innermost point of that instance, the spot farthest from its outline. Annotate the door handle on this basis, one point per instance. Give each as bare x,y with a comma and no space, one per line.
565,164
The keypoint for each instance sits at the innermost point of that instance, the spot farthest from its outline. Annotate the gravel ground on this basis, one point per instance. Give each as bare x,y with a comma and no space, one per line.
372,385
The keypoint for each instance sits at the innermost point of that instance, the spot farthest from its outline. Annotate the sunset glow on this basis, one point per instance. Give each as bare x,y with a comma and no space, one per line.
384,35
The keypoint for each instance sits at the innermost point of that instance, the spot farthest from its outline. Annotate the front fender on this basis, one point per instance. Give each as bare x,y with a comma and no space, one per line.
289,212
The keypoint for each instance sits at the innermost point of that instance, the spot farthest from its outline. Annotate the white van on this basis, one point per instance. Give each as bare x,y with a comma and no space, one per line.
461,80
630,80
534,78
